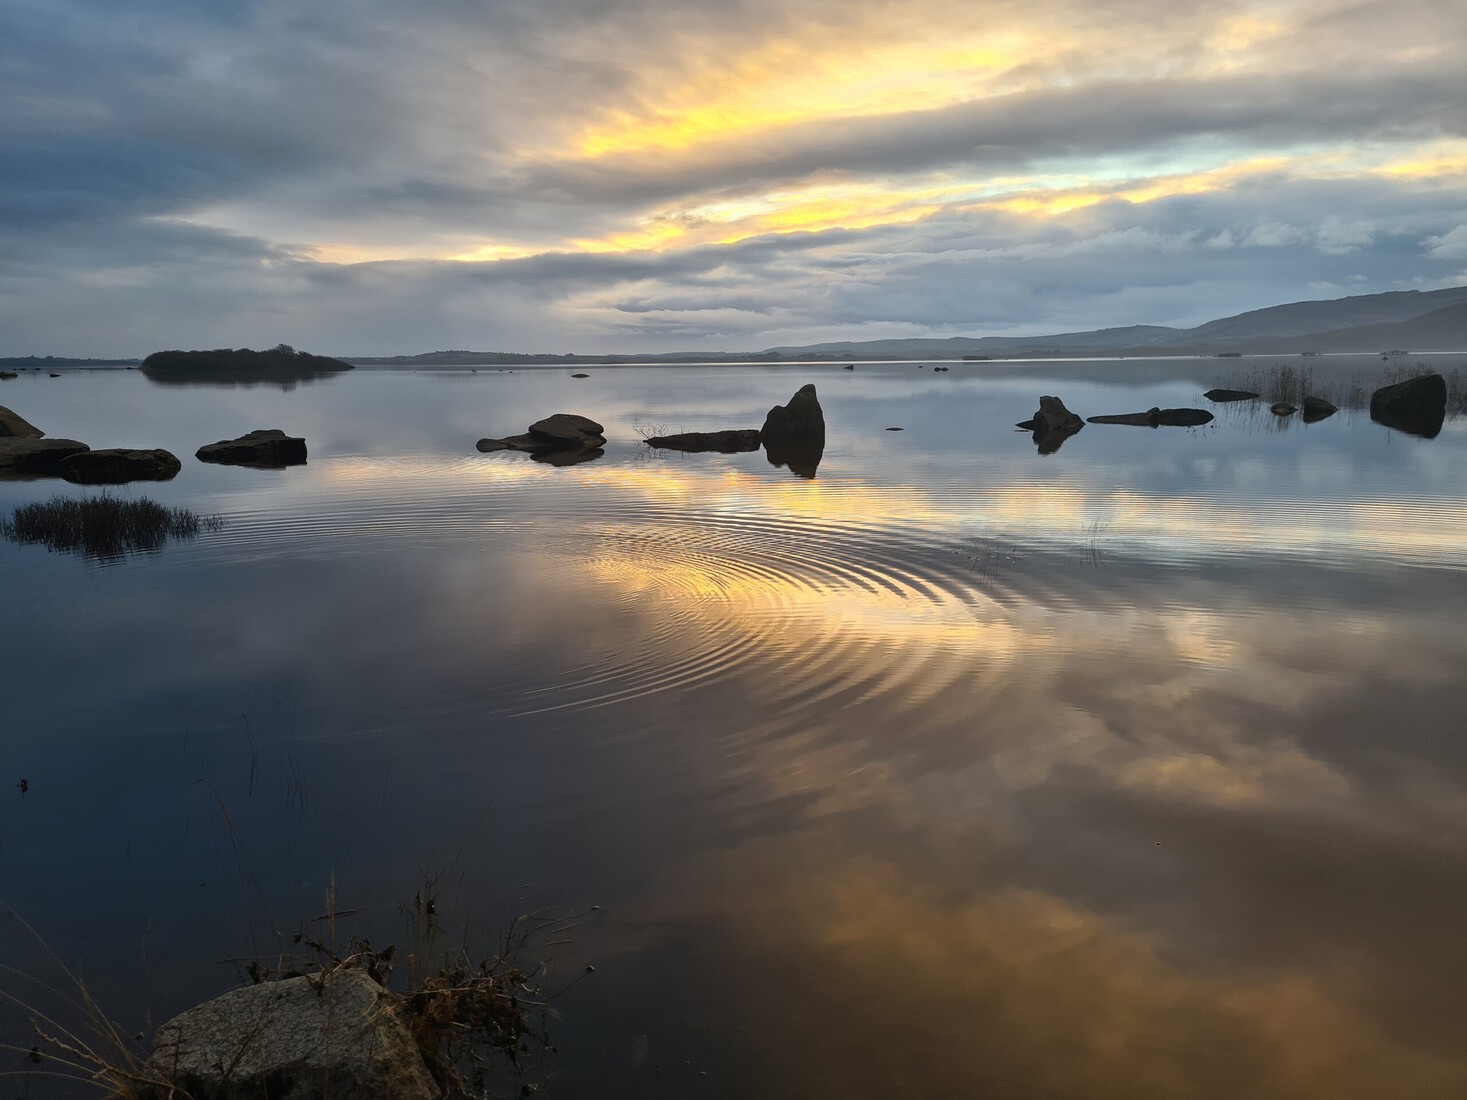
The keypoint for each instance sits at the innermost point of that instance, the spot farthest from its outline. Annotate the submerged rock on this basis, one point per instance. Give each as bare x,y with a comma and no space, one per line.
116,465
15,426
36,457
1230,395
1417,406
1317,408
339,1035
730,441
1157,418
1282,408
267,448
1052,425
7,375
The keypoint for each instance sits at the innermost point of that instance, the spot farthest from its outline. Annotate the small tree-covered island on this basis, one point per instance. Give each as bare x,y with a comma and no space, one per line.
279,361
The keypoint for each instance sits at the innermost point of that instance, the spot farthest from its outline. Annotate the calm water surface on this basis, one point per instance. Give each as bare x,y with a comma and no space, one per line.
1136,770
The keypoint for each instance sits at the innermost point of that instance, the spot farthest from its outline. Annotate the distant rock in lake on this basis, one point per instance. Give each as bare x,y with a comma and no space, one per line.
15,426
562,439
7,375
1157,418
1316,409
1417,406
117,465
1052,425
1230,395
264,448
730,441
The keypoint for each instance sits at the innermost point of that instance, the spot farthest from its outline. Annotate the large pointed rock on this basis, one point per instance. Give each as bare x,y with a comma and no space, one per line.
334,1037
14,425
1052,425
1417,405
802,420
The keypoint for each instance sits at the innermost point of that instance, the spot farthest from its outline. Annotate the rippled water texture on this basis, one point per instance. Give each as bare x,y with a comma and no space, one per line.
1133,770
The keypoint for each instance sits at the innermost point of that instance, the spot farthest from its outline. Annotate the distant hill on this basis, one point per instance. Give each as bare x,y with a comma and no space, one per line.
1413,320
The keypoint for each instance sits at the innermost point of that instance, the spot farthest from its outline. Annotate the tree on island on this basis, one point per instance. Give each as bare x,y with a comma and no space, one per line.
280,358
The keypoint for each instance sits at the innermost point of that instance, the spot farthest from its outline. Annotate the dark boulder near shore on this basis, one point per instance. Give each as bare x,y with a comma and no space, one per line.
1417,406
729,441
15,426
1157,418
29,457
116,466
561,439
264,448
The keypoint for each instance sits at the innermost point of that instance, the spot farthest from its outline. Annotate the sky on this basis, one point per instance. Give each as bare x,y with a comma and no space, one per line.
364,177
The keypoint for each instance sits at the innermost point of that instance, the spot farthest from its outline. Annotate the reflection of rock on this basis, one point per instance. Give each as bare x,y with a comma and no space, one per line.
731,441
339,1036
571,438
1317,408
13,425
1052,424
802,456
1230,395
267,448
801,421
1417,406
114,466
36,457
1282,408
1156,418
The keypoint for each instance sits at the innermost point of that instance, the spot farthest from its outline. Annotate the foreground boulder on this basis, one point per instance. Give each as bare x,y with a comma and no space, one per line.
36,457
338,1036
1230,395
561,439
1052,425
114,466
15,426
1316,409
731,441
1157,418
1417,406
266,448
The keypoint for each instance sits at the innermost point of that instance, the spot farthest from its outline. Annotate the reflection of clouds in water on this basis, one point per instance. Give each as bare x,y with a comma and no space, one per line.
993,991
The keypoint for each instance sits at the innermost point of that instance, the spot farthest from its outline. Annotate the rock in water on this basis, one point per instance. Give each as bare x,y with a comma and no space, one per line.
800,421
561,440
1156,418
36,457
1230,395
1053,424
266,448
730,441
16,426
1417,406
1282,408
114,466
337,1036
1317,408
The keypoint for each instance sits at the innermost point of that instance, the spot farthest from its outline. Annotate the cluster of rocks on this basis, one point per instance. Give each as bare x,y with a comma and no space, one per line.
793,435
25,451
1053,423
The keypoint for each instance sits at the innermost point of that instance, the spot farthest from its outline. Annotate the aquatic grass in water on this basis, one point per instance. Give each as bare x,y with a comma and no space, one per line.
103,526
1285,382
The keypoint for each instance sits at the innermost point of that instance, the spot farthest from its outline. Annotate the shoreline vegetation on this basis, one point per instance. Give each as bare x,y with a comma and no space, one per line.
103,527
1289,383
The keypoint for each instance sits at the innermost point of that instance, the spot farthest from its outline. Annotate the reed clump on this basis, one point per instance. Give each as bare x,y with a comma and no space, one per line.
103,527
1291,384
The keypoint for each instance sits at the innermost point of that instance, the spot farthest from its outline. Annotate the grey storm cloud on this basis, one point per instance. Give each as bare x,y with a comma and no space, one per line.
235,173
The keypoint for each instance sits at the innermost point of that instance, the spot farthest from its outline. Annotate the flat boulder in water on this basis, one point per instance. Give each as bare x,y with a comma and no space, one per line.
1417,406
1157,418
266,448
561,439
730,441
117,465
1230,395
36,457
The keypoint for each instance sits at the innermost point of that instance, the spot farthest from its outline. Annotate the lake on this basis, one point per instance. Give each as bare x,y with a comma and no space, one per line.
1133,770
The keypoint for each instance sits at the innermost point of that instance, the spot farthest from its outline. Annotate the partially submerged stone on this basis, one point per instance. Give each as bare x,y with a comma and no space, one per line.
116,465
730,441
266,448
1157,418
1317,408
1417,406
36,457
801,420
15,426
1230,395
334,1037
1282,408
569,437
1052,424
